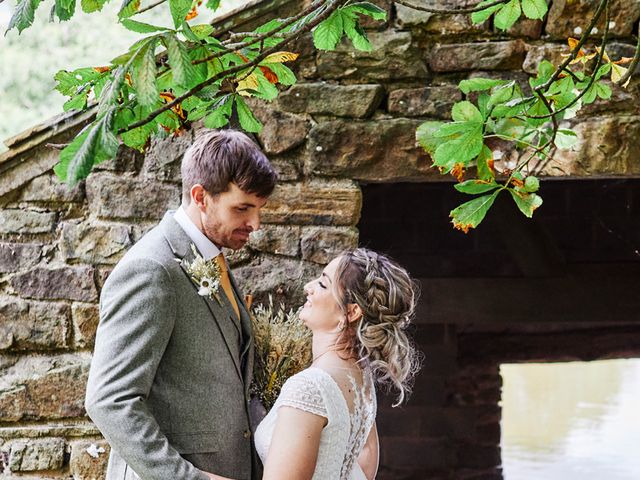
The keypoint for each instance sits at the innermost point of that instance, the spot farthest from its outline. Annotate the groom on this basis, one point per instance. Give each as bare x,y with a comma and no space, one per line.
169,379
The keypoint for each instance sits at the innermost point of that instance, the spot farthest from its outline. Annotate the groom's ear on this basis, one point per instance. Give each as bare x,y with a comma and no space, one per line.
198,194
354,312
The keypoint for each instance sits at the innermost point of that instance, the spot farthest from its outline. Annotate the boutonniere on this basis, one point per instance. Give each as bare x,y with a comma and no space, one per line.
205,274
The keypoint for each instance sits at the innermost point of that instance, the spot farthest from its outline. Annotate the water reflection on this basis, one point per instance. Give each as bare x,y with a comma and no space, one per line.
574,420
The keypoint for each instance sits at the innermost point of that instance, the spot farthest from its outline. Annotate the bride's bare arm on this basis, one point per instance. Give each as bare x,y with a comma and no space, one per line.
294,446
369,457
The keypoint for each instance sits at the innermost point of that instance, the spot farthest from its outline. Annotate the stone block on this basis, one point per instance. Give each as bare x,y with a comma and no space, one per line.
89,459
123,198
288,165
163,158
393,58
424,102
314,203
26,221
19,256
381,150
49,189
356,101
477,56
279,277
66,283
278,239
322,244
33,325
526,27
95,242
38,454
410,18
85,323
281,131
606,146
569,18
42,388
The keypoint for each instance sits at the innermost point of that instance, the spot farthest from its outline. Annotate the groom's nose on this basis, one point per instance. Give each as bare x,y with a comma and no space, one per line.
254,221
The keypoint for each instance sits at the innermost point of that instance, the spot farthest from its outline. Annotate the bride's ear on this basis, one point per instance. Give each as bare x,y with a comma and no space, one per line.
354,312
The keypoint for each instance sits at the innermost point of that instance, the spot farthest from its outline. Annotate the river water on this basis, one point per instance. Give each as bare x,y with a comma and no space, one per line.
571,421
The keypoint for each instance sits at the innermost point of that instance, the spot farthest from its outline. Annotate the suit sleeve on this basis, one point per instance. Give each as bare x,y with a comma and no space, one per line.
137,315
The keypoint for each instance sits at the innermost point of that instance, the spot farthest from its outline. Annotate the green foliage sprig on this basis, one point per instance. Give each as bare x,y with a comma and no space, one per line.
172,76
515,117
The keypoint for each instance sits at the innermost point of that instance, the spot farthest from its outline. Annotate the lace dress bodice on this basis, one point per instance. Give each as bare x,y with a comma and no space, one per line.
314,390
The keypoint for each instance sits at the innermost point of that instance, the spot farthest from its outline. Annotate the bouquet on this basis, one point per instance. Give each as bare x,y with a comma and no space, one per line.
282,349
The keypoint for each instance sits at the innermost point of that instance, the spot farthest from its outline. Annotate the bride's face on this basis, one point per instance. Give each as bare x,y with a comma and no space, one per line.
322,312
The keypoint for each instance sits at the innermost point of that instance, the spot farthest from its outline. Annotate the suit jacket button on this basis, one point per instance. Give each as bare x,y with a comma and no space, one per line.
247,434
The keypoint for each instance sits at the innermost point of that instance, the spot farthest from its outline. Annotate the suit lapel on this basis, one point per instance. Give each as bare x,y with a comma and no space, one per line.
180,244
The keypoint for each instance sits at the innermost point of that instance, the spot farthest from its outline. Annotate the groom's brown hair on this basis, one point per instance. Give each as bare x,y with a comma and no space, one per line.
220,157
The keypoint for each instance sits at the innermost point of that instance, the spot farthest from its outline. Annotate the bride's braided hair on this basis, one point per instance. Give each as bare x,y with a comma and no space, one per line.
387,296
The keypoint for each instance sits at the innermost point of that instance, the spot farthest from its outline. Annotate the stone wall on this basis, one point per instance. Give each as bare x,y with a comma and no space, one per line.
349,122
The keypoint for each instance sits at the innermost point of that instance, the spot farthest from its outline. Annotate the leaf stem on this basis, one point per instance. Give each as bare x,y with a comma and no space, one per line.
451,11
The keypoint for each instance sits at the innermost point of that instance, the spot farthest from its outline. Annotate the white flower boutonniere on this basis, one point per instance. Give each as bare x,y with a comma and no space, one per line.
205,274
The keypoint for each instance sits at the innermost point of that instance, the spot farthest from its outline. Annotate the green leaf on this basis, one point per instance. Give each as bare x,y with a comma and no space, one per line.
466,111
328,33
471,213
23,15
94,145
479,84
508,15
220,116
128,8
484,161
64,9
140,27
425,135
285,74
183,71
248,121
473,187
566,138
603,90
531,184
538,108
179,10
503,93
111,91
545,70
535,9
77,102
369,9
144,75
482,15
355,33
202,31
90,6
460,150
70,82
213,4
526,202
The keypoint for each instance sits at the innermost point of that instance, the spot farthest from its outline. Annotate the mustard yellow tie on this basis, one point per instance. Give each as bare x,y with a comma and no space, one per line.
225,283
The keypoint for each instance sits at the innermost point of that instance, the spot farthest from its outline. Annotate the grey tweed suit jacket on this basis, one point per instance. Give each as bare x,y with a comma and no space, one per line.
168,384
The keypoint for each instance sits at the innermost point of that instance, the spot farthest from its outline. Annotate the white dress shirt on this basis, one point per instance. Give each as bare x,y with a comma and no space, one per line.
206,247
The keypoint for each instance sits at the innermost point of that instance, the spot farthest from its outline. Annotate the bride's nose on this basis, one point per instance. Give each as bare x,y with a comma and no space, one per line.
307,288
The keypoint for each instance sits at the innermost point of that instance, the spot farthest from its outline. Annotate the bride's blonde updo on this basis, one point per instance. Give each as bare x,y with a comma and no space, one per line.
387,296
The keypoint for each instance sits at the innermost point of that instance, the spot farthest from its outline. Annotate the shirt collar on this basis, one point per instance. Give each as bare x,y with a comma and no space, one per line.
206,247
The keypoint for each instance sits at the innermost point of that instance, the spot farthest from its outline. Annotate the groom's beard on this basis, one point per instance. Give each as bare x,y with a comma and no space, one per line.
223,237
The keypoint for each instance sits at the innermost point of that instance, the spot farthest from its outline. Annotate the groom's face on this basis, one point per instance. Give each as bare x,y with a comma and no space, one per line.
229,217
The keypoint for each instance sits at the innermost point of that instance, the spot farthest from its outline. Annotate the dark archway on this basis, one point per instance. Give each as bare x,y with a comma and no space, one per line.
561,286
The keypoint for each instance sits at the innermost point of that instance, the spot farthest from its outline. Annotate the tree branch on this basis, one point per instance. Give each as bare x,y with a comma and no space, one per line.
332,5
451,11
634,62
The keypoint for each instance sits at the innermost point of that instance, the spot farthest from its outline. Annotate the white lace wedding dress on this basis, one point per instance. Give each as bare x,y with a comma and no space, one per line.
314,390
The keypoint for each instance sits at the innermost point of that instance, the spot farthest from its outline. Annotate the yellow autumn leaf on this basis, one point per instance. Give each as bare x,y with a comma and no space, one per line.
280,57
248,83
617,72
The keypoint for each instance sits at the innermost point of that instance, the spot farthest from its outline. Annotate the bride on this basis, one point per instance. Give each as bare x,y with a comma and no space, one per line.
322,426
